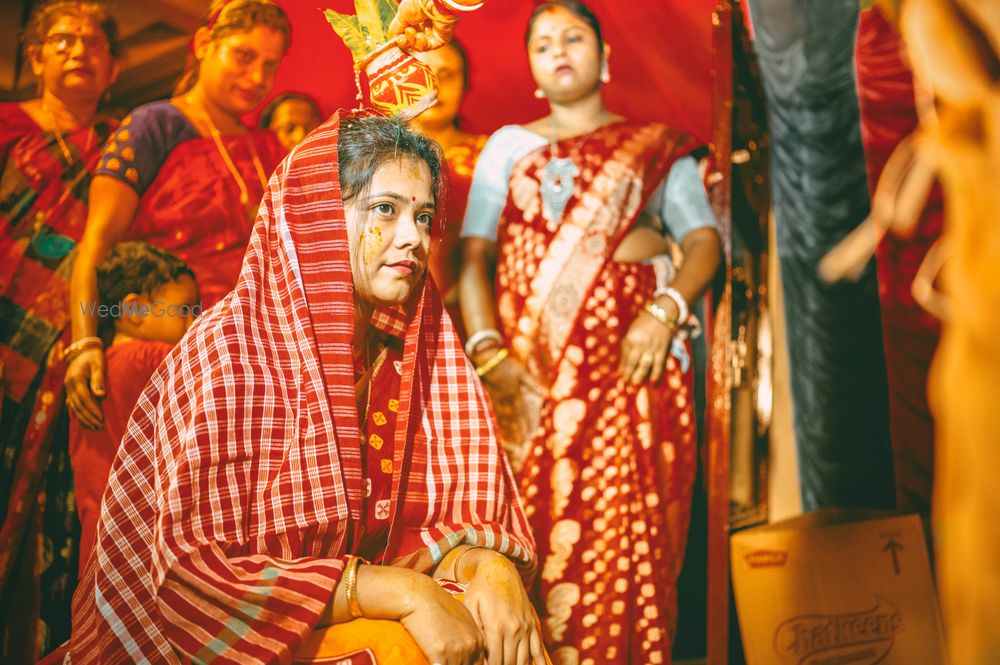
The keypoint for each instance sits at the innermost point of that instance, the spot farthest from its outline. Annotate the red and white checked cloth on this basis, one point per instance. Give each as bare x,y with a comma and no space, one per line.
224,527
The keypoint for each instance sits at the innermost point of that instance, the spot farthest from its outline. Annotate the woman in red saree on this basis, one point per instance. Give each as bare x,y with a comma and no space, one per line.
323,411
185,175
591,385
49,147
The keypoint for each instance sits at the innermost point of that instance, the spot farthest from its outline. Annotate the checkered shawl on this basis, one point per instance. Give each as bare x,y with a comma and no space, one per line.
238,487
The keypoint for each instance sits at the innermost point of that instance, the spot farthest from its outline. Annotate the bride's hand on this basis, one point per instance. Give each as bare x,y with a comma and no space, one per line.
442,627
499,605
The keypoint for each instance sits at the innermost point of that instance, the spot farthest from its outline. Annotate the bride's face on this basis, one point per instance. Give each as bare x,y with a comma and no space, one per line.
390,231
564,55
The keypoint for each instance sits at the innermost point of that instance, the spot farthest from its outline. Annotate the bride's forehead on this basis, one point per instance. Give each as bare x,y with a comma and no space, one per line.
401,170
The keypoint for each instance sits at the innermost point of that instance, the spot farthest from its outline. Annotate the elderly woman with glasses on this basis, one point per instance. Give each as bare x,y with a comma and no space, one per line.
49,147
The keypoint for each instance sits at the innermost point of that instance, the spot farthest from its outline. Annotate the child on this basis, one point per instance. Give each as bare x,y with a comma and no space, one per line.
148,300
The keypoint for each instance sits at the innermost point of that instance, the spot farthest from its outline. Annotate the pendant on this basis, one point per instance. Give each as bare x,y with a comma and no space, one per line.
558,185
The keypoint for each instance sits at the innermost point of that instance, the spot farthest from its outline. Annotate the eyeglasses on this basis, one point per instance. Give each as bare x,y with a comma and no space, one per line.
62,42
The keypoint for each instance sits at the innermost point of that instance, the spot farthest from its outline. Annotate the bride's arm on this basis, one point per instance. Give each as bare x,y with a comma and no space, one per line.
384,592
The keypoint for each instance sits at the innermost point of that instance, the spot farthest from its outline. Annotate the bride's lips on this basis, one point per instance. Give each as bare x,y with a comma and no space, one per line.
564,69
403,267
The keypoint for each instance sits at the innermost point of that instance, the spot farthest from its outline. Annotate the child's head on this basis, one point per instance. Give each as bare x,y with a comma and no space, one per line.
148,293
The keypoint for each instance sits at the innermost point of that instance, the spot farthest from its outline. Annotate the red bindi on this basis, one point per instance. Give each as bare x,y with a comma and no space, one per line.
413,198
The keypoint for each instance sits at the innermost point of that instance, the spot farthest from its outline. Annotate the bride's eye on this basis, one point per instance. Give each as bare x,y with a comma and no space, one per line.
425,219
385,209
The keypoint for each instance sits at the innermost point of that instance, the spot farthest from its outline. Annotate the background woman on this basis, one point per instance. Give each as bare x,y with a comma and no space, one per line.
576,352
268,468
461,150
291,115
185,175
49,147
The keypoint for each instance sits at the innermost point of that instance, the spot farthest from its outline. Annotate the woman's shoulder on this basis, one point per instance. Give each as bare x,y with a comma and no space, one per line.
656,134
668,131
161,109
160,120
15,123
509,143
13,112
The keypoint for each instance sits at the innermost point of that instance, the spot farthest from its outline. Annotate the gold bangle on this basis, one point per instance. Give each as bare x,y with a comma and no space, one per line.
458,559
351,590
79,346
489,365
659,314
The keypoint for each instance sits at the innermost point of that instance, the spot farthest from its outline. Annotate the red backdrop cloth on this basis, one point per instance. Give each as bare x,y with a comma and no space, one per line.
660,61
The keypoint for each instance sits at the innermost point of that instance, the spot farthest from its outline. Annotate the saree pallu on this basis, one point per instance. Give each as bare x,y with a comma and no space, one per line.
43,210
607,474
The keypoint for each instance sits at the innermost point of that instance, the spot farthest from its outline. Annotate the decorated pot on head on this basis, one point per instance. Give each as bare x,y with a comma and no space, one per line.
398,83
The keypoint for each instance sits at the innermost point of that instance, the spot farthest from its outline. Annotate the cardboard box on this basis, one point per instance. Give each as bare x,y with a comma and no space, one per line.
815,590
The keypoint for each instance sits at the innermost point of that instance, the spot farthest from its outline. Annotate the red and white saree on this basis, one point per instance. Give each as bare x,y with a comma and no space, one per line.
239,488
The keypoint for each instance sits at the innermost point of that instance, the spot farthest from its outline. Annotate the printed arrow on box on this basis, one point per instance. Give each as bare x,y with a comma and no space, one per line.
892,546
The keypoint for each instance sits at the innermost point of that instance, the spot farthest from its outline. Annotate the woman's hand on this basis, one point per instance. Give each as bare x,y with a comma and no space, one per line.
505,383
645,347
441,626
84,383
500,607
419,25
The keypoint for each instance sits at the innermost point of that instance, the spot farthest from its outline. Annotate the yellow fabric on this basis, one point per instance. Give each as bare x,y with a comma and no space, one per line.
387,642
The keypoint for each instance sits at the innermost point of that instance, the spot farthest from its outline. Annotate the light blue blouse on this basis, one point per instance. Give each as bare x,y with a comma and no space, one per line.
680,201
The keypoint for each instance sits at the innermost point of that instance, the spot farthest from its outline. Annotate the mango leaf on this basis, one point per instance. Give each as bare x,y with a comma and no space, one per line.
370,20
387,11
350,31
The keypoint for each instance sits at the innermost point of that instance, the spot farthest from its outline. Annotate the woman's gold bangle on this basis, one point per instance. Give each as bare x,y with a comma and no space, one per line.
489,365
351,590
79,346
458,559
659,314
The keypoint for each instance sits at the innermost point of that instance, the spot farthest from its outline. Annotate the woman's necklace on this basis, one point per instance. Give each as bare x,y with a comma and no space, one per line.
67,153
221,147
559,173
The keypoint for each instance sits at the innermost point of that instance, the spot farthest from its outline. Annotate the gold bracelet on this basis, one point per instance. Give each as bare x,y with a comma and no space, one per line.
79,346
489,365
659,314
351,590
458,559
